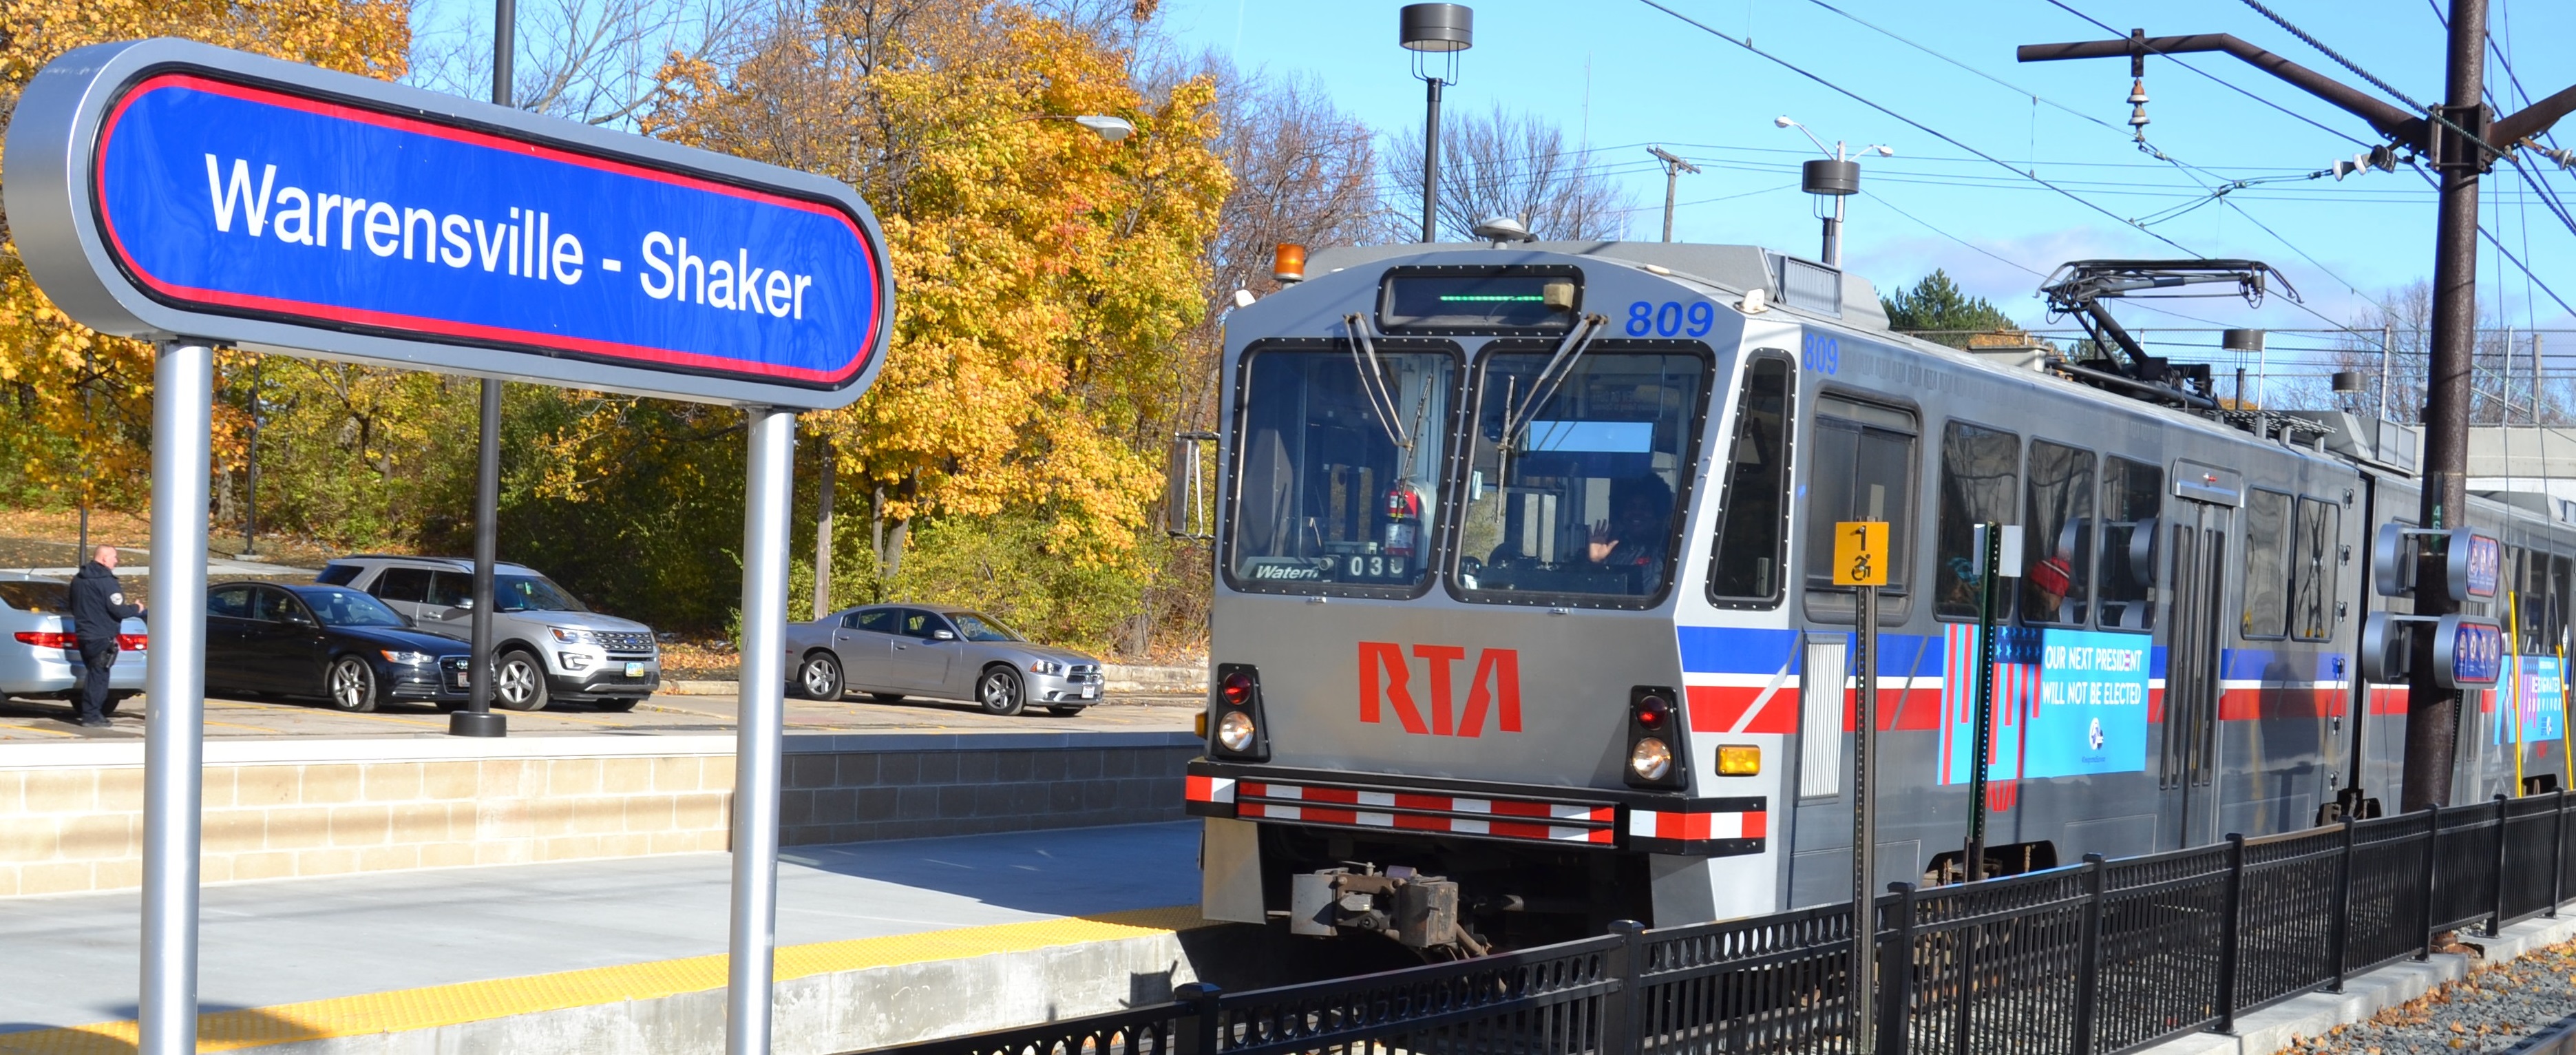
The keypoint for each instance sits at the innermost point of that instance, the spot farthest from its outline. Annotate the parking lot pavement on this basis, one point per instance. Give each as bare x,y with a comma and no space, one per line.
73,958
42,720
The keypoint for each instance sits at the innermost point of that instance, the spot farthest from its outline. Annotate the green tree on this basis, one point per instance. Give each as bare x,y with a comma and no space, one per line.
1938,311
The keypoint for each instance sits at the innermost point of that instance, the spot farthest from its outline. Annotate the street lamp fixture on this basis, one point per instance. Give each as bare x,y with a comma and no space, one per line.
1427,30
1836,176
1113,129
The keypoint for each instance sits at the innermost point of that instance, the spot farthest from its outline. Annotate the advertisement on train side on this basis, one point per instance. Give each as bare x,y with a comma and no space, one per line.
2538,697
2066,703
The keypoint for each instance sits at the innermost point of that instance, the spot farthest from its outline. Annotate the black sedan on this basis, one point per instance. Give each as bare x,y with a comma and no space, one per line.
327,641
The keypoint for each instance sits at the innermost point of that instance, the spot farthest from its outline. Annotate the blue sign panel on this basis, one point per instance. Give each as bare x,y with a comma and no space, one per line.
2471,654
229,197
162,188
2485,565
2092,715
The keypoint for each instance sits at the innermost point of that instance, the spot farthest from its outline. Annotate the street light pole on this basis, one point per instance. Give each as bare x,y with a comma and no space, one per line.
477,718
1428,29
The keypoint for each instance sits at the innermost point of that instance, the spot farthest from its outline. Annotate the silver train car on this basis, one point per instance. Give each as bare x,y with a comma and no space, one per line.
1524,622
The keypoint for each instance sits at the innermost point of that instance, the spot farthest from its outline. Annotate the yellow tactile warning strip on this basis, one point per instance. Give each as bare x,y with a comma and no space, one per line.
447,1005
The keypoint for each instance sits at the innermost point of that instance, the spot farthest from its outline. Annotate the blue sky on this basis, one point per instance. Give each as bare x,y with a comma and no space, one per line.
1621,74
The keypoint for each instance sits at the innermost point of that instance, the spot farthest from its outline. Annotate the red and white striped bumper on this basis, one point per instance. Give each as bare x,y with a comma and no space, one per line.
1656,823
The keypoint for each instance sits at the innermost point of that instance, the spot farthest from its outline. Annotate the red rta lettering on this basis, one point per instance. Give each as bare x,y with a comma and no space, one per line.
1386,683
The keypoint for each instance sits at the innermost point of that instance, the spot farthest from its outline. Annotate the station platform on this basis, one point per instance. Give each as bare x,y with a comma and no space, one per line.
879,943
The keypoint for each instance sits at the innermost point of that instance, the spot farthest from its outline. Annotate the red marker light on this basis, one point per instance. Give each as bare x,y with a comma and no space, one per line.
1237,688
1652,710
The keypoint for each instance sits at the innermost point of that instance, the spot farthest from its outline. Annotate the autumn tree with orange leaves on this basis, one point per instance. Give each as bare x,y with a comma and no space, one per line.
78,405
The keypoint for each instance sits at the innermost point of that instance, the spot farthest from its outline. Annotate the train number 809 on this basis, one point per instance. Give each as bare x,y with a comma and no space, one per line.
1670,318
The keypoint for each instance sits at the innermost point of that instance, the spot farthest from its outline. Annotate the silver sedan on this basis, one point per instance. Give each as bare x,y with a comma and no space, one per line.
891,651
36,653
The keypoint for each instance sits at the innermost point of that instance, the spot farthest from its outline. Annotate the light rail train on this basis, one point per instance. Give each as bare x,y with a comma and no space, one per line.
1522,575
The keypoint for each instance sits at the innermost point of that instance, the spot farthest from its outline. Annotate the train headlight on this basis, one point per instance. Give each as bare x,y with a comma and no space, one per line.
1650,759
1234,731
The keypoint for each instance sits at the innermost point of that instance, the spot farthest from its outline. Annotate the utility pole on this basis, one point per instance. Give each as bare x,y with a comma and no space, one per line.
2460,139
1673,169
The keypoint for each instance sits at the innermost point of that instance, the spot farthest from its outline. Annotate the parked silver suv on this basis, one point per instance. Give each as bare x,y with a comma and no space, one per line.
546,644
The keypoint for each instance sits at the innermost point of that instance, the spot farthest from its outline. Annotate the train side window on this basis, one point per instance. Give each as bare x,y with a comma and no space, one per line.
2267,571
2312,570
2534,607
1752,527
1862,469
2057,547
2132,495
1980,482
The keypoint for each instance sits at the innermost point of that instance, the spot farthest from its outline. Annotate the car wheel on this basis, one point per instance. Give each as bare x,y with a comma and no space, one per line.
819,677
615,706
351,684
519,682
999,691
1064,712
886,697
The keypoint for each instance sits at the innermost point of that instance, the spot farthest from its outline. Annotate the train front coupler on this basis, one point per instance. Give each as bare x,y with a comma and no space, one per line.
1417,911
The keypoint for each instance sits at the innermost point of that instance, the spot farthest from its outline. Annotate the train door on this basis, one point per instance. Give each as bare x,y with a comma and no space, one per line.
2199,535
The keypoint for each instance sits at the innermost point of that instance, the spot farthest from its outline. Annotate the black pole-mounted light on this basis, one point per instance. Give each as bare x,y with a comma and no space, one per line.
1435,29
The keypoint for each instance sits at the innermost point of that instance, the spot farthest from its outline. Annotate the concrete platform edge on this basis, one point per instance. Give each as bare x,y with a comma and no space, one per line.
2314,1014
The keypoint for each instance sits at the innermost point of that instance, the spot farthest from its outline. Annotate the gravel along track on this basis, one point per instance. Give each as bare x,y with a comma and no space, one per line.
2491,1010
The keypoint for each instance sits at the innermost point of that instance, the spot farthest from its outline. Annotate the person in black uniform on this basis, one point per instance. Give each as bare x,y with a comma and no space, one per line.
98,608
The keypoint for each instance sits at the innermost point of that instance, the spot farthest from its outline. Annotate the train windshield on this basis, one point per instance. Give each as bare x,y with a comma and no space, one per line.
1572,485
1341,461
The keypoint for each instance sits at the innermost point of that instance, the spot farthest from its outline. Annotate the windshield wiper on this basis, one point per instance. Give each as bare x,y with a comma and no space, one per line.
1373,380
1552,376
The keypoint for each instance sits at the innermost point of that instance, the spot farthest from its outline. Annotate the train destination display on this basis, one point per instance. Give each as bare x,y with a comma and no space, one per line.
170,188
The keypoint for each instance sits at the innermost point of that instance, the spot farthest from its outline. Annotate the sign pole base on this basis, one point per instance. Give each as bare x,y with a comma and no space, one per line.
477,723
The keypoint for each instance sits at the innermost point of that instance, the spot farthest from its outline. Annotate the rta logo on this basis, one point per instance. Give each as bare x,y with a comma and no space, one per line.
1386,683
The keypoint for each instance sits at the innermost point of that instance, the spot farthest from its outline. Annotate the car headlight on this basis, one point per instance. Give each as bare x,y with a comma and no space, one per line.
1235,731
1650,758
404,657
574,637
1045,666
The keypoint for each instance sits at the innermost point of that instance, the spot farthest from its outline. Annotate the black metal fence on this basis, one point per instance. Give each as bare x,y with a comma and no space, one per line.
2101,957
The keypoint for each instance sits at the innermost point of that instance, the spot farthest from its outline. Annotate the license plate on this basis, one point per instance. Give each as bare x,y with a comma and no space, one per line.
1090,692
464,680
634,670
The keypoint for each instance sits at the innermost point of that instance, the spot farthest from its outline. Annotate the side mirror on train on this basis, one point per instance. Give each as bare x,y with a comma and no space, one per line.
1186,511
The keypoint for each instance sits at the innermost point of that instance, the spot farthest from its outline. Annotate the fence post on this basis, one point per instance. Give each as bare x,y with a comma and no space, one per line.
2432,872
2227,929
2558,855
1620,1023
2336,938
1896,976
2495,922
2088,970
1202,1031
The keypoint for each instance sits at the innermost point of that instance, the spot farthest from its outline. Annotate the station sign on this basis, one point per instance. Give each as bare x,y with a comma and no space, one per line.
2472,563
164,188
2468,652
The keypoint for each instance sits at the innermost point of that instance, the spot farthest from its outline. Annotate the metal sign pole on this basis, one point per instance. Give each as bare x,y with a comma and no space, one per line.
757,748
1860,562
1865,832
1973,866
183,396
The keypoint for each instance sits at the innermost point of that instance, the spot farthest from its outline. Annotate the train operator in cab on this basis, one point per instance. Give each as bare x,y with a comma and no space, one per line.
1635,536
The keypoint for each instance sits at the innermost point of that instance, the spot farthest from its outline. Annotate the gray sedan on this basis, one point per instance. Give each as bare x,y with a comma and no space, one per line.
36,653
891,651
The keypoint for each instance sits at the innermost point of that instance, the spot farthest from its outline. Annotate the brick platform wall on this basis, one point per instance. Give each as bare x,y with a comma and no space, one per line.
842,789
71,814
